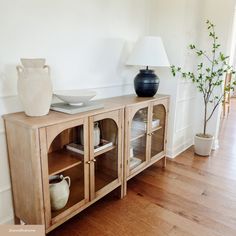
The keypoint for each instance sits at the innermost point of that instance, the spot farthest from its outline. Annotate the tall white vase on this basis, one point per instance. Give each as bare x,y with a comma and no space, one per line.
34,86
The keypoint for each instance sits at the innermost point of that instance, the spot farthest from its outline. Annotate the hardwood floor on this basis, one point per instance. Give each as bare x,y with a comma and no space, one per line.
193,196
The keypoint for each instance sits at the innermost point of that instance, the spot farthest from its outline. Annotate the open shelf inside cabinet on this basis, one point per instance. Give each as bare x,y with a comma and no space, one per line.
136,134
157,128
62,160
76,175
107,149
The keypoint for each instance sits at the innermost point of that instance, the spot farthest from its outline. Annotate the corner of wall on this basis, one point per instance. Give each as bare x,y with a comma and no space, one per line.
174,152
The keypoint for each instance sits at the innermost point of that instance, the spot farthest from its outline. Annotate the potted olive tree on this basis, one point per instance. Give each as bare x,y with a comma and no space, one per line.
209,80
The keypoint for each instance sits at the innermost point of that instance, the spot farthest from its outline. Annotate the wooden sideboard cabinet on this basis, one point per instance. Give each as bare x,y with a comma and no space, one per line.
37,150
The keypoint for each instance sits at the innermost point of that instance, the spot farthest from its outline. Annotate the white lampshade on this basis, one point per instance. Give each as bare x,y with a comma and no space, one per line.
149,51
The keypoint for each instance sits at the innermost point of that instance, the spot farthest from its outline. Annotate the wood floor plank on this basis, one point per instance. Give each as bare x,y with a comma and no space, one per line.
178,203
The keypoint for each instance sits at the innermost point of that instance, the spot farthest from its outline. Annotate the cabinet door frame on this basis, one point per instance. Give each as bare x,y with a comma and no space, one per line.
47,135
117,117
129,115
165,104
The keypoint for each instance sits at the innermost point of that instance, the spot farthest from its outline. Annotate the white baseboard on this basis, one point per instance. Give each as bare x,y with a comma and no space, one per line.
215,144
172,153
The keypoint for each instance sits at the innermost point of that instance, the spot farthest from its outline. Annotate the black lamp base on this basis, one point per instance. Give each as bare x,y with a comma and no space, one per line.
146,83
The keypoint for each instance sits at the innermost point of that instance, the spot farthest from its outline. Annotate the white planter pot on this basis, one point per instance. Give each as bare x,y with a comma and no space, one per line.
203,145
34,87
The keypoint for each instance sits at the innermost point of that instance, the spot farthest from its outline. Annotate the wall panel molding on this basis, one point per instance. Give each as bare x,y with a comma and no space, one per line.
186,99
7,221
183,128
7,96
5,189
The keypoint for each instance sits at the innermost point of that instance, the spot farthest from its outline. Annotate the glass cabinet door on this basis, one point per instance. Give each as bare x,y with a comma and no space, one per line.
138,140
158,130
67,169
105,162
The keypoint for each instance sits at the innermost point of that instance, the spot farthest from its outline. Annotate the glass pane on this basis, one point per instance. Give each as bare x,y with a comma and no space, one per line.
158,130
137,152
76,190
66,159
138,138
105,152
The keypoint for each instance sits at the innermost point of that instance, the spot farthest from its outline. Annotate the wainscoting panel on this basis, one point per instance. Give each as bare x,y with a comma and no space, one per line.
6,212
4,168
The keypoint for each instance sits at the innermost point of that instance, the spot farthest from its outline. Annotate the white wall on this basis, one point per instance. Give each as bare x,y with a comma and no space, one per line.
178,23
83,42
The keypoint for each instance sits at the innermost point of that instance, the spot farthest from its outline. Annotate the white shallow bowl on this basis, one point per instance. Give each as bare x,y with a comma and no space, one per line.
75,97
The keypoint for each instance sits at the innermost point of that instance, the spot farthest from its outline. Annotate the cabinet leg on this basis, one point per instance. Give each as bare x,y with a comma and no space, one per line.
164,162
16,220
120,192
125,188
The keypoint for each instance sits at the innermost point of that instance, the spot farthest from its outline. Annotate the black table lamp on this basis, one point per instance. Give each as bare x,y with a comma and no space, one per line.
148,51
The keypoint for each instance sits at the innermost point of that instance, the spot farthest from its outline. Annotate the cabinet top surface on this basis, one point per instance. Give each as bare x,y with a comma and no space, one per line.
55,117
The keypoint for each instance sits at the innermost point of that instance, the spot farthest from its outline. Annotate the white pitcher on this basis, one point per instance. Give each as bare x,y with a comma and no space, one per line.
34,86
59,191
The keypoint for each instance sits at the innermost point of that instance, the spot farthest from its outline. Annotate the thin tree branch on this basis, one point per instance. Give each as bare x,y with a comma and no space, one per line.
217,104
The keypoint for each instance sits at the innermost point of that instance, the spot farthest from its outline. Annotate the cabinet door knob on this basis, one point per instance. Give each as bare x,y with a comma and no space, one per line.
94,160
88,162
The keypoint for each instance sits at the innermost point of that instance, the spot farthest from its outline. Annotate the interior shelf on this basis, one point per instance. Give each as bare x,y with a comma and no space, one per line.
156,128
104,150
62,160
76,195
137,133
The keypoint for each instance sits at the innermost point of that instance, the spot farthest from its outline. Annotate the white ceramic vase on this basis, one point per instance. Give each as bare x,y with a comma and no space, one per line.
203,146
34,86
96,135
59,191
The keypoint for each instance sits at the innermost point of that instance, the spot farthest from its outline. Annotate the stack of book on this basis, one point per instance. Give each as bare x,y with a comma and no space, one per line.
142,125
78,148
